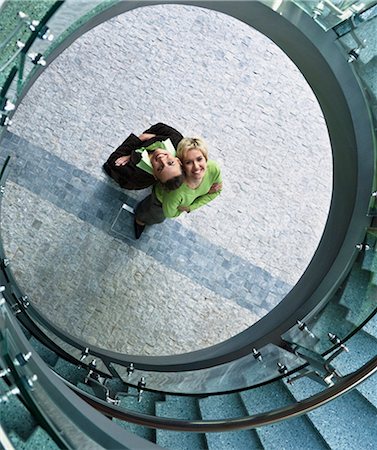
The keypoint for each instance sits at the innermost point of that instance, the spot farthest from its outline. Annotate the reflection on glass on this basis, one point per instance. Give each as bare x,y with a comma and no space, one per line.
29,380
266,364
351,305
19,20
330,13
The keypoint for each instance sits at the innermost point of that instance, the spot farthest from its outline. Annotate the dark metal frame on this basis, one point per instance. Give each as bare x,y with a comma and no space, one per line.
324,65
345,385
88,421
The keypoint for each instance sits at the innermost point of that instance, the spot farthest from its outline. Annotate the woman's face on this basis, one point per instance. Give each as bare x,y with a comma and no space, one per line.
194,164
165,166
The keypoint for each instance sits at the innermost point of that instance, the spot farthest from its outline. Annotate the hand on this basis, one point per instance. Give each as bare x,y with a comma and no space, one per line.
146,136
122,161
184,209
216,187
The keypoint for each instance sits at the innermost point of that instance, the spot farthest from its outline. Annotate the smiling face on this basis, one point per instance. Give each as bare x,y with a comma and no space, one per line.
165,165
194,164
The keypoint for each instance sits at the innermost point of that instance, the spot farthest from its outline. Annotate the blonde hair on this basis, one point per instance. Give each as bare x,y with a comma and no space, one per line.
187,144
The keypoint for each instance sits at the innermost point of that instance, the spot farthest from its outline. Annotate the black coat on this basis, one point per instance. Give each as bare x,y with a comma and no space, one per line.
130,176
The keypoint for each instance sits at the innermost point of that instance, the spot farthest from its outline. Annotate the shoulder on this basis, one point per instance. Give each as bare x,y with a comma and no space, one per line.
213,167
213,164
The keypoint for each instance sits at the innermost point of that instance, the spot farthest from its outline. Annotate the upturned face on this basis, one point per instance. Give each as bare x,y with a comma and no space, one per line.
165,165
194,164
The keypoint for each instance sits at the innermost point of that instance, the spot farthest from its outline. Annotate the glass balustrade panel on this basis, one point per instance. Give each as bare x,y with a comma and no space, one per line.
41,402
352,304
10,94
18,21
327,13
72,14
85,356
268,363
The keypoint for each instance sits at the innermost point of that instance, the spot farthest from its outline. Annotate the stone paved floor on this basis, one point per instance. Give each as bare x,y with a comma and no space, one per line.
199,279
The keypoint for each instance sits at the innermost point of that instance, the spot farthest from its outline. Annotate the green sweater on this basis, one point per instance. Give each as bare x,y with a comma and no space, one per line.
185,196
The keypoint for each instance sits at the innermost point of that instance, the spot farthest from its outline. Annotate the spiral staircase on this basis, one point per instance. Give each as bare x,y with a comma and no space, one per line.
303,376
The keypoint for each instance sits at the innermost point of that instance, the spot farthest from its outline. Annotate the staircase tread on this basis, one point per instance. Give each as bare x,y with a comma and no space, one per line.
14,416
70,372
144,432
362,347
146,406
40,440
369,389
282,435
351,415
180,408
228,406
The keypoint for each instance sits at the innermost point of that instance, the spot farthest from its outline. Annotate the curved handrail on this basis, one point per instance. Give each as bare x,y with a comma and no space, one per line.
348,383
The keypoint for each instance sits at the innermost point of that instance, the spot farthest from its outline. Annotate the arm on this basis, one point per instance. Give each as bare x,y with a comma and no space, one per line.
171,201
122,160
216,187
146,136
125,149
203,200
163,131
129,145
213,192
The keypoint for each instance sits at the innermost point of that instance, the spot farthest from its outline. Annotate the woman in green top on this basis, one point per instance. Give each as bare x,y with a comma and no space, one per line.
202,184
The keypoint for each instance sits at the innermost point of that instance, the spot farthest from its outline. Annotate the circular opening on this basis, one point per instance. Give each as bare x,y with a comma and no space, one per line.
191,282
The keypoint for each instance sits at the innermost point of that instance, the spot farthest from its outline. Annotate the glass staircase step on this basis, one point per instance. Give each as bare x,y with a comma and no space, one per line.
180,408
346,422
228,406
290,434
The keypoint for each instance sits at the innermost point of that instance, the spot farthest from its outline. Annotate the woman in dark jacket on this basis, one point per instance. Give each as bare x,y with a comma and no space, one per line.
126,166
